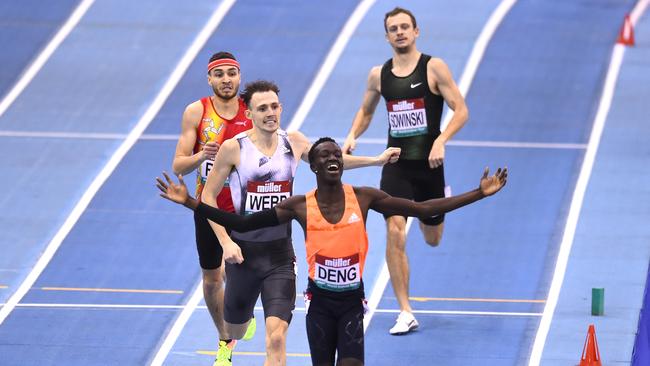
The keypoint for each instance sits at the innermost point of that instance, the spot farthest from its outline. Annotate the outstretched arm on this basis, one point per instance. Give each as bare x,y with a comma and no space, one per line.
390,155
301,146
177,193
388,205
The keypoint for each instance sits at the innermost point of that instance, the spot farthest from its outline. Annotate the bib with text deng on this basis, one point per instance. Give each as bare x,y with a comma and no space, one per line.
204,171
337,274
407,117
265,195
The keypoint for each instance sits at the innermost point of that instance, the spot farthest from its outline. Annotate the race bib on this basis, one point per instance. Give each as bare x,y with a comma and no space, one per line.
204,170
265,195
407,117
337,274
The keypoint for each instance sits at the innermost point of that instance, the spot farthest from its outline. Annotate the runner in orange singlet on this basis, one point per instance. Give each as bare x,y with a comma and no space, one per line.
333,218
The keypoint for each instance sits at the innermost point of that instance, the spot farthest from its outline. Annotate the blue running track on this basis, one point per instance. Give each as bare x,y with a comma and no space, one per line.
128,266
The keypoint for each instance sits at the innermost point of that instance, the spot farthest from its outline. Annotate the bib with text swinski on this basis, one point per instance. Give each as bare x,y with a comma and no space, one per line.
407,117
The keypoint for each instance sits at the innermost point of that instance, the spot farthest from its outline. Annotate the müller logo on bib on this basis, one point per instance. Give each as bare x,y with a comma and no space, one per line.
407,117
265,195
337,274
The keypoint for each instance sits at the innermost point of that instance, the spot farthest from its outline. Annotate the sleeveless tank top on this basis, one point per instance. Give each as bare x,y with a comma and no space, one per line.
414,112
336,253
260,182
213,127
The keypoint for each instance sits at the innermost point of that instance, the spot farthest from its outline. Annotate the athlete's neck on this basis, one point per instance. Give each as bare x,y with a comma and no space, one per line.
266,142
225,108
406,60
328,192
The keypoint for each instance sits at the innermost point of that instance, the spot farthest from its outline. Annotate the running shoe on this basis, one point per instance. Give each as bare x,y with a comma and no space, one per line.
405,323
224,353
250,331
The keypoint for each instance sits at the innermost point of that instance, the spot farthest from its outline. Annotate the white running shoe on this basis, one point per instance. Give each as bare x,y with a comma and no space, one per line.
405,323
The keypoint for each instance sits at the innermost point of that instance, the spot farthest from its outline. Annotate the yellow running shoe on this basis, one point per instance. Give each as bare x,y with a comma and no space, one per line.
250,331
224,353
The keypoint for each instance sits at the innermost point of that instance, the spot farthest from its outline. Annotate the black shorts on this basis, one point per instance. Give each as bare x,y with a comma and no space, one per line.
335,326
207,244
268,270
414,180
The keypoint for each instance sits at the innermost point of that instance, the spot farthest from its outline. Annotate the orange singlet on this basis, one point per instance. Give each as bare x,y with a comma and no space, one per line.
336,253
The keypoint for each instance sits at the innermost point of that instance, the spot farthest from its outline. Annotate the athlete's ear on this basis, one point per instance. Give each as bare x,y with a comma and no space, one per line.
248,114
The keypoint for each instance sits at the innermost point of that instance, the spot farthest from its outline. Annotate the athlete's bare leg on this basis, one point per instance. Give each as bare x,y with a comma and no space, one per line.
397,261
213,289
276,341
432,233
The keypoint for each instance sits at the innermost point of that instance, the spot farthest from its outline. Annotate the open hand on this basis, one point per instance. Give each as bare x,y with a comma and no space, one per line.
174,192
492,184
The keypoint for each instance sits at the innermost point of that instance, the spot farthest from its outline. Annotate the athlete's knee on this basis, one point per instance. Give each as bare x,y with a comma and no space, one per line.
212,279
396,231
434,240
276,340
432,234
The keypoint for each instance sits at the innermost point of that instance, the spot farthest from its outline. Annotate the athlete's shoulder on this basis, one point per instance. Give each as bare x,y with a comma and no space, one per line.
231,144
195,106
193,112
374,77
365,191
436,63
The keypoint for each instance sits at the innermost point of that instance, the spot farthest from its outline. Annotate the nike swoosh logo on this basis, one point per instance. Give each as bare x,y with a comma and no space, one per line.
415,85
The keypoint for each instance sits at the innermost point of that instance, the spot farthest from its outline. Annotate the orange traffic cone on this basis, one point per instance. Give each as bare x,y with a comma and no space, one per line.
590,353
626,35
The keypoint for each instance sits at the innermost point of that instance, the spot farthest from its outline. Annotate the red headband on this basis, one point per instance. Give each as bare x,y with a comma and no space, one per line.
223,61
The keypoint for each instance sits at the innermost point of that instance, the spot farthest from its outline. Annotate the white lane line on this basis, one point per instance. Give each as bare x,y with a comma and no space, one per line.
176,328
468,74
42,58
362,140
578,196
195,300
119,154
461,312
478,51
329,63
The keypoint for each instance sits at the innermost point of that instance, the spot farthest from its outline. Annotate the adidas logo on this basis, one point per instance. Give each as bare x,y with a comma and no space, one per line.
353,218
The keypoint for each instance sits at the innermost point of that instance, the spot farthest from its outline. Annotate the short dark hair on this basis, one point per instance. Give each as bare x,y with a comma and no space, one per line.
312,150
258,86
396,11
221,55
